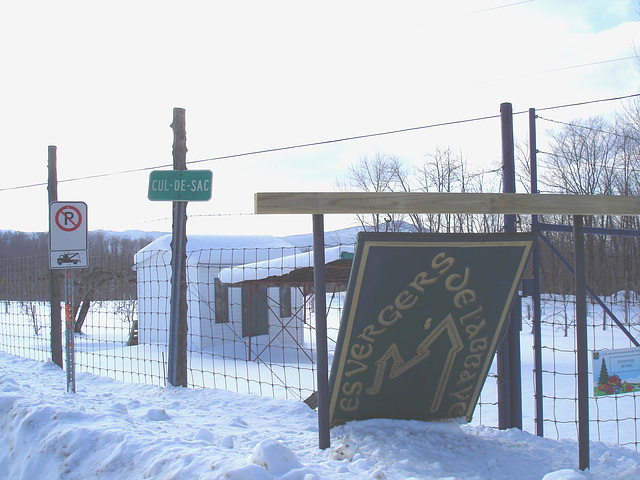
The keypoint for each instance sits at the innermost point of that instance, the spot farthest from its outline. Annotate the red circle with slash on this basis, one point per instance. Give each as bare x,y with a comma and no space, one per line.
68,218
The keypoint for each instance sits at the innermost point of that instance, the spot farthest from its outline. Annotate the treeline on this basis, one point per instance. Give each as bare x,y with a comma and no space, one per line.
22,244
25,273
583,157
15,244
594,157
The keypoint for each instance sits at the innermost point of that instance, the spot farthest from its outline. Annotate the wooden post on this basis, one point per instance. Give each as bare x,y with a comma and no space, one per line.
54,275
177,367
508,359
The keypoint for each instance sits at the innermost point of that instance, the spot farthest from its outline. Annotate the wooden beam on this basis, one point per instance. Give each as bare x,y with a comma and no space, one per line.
482,203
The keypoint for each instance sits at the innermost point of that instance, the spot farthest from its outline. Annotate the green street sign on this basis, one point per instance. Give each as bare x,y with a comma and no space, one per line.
180,185
421,323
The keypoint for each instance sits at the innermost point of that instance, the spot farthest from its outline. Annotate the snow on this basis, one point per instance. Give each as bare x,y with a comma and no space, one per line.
116,430
228,250
203,242
344,236
279,266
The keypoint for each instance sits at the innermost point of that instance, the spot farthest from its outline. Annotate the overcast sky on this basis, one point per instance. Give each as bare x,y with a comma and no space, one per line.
100,80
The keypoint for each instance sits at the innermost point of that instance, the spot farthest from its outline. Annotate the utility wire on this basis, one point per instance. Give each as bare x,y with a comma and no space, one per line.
583,127
346,139
571,67
402,130
591,129
503,6
323,142
259,152
589,102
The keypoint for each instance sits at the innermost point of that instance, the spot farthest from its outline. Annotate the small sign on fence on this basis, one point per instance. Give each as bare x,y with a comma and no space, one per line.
616,371
68,235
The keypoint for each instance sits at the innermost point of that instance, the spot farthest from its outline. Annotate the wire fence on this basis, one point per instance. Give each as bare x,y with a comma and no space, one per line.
613,418
251,329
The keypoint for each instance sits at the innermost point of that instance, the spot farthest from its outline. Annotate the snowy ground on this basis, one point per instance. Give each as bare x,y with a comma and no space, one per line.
113,430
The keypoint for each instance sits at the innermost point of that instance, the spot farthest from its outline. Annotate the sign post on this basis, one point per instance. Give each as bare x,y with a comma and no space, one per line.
67,250
70,352
179,186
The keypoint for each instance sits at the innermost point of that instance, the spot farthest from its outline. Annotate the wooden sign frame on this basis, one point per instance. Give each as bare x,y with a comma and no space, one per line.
393,202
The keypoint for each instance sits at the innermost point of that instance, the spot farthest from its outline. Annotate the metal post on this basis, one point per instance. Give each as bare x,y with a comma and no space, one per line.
535,263
69,332
54,276
322,362
509,387
582,352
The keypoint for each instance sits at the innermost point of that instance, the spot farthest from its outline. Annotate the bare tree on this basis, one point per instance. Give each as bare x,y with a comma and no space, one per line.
523,165
380,173
31,310
442,171
597,157
583,158
445,171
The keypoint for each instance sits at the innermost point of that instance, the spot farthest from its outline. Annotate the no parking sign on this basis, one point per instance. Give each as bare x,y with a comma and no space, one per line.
68,235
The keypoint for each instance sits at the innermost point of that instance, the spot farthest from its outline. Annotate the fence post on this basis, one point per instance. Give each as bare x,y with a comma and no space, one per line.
582,352
54,275
509,387
322,363
535,266
177,367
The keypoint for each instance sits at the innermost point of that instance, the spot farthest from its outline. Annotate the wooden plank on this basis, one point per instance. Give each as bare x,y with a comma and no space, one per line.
481,203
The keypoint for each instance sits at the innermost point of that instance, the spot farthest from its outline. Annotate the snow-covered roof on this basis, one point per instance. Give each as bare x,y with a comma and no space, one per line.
347,235
217,249
280,266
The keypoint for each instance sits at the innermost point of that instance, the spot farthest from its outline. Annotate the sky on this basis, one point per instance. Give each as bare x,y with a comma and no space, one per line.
100,81
113,430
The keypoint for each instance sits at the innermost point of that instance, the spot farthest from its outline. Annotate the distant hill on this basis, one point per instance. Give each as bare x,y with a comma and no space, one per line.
14,244
130,234
343,236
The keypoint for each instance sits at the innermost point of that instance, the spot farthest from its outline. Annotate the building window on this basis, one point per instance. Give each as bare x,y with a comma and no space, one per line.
285,301
222,302
255,313
213,297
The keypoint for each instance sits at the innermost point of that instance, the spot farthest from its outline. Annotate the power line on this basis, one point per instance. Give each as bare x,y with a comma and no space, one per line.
503,6
404,130
323,142
583,127
347,139
558,69
589,102
87,177
624,134
269,150
581,65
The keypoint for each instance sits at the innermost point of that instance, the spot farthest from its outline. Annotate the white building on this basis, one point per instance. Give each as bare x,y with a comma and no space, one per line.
244,321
